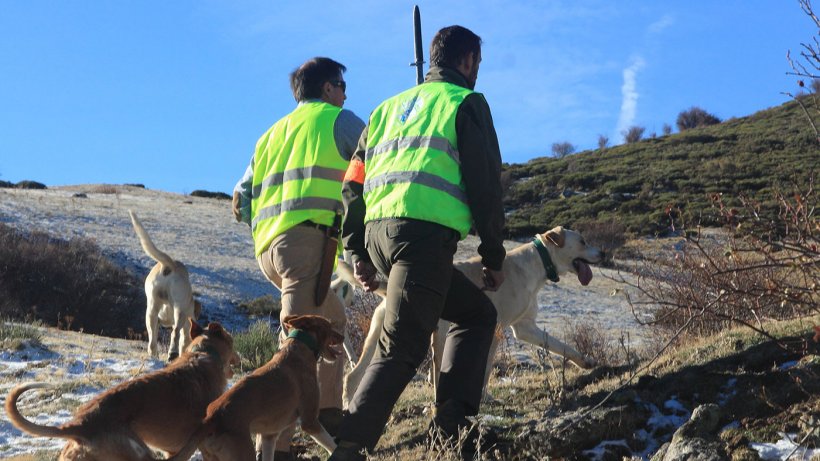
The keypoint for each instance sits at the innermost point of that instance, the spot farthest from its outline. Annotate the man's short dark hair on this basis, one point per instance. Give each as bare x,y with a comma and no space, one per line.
307,80
452,44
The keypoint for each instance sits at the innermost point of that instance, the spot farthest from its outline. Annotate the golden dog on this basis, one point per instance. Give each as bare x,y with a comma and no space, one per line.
158,410
170,297
271,398
516,302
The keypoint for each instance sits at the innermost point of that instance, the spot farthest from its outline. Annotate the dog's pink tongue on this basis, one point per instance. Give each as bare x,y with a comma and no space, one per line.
583,271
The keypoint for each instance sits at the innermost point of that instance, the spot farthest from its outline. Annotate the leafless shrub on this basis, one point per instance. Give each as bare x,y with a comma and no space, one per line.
603,141
809,67
607,234
758,269
667,129
633,134
562,149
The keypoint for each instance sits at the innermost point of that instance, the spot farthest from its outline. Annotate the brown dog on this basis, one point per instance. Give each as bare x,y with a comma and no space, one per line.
160,409
271,398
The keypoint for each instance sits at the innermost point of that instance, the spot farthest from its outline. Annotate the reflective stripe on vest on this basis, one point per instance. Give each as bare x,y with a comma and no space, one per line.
412,160
297,173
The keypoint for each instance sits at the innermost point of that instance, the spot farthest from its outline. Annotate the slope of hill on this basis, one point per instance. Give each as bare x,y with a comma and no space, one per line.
638,184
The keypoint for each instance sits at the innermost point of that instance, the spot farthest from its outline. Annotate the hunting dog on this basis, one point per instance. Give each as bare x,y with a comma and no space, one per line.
170,297
271,398
160,409
516,302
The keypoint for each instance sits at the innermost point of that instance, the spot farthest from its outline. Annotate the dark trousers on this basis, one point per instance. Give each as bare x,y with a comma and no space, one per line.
423,286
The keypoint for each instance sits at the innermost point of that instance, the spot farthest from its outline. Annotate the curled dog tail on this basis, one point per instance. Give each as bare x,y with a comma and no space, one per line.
148,245
185,453
25,425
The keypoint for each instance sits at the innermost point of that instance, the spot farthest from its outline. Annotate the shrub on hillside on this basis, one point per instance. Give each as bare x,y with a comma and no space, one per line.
30,185
633,134
759,268
695,117
207,194
6,184
69,284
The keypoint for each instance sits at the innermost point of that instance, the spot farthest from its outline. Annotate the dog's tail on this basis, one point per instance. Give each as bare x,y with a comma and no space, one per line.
148,245
185,453
25,425
345,272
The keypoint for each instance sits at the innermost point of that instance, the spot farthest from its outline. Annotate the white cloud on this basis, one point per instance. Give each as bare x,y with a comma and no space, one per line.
661,24
629,95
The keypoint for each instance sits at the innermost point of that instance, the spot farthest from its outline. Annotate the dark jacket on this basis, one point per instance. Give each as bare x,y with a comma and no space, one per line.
480,169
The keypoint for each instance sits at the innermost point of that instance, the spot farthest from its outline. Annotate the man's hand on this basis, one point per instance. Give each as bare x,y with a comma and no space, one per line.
491,279
365,274
235,207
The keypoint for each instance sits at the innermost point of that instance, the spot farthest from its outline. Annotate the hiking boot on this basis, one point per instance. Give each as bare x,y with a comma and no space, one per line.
331,419
450,429
348,451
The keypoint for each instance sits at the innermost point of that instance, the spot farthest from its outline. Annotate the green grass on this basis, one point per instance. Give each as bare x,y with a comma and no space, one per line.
637,183
256,345
13,334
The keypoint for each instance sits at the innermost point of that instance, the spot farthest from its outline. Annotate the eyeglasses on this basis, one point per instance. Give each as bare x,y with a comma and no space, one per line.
339,83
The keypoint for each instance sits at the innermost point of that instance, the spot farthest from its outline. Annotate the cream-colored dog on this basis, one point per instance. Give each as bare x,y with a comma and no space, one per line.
170,297
160,409
526,269
271,398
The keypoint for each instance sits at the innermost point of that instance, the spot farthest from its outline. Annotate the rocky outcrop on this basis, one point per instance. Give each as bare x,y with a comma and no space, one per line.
697,439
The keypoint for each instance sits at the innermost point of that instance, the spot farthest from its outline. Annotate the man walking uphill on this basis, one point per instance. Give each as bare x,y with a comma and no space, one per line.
290,195
426,170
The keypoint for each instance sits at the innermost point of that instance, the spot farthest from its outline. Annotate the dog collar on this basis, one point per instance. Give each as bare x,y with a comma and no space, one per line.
552,274
210,350
306,338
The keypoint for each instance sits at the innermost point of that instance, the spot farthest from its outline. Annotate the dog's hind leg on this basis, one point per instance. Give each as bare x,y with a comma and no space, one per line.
152,325
180,337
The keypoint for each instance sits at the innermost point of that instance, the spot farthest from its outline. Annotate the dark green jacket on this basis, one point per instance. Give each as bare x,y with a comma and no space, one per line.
480,168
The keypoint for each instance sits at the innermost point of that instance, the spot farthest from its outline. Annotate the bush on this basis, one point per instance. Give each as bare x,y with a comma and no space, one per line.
14,334
30,185
695,117
207,194
633,134
68,284
265,305
256,346
562,149
6,184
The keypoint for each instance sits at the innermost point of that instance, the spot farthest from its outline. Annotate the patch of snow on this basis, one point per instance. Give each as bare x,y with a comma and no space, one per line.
784,449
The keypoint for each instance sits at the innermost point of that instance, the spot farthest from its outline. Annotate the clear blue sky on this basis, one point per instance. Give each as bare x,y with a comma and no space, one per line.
174,94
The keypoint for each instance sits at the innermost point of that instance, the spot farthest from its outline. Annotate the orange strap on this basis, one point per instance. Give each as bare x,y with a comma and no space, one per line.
355,171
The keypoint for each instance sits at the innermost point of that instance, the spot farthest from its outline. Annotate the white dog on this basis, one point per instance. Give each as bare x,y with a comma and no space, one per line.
170,298
526,269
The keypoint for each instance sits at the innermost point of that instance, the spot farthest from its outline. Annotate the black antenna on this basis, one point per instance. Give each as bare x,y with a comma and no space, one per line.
419,63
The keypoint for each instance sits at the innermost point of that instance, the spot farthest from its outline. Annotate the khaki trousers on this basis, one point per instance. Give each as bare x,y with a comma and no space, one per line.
292,263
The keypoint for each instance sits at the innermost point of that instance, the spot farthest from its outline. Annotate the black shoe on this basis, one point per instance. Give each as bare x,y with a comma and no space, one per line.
348,451
331,419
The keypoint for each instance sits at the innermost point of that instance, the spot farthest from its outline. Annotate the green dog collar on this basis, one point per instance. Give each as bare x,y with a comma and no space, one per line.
552,274
306,338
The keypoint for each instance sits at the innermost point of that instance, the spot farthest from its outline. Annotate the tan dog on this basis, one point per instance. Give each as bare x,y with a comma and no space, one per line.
516,302
271,398
170,298
160,409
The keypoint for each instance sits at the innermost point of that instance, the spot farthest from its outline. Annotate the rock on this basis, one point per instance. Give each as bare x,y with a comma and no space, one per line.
696,440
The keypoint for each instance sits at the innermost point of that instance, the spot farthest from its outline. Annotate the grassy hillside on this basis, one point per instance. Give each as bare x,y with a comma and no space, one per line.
635,184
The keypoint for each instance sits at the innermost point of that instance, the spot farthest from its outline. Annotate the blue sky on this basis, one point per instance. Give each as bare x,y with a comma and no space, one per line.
174,94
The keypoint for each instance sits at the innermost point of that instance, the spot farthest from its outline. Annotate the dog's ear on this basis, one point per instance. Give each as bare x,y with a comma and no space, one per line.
196,330
215,327
556,236
288,323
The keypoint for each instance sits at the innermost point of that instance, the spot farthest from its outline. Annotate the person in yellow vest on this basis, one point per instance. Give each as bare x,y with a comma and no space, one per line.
291,197
426,170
